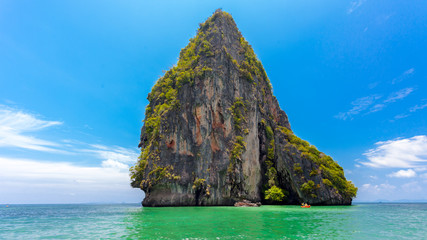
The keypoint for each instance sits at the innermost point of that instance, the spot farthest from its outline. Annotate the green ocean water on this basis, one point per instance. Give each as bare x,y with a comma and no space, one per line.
130,221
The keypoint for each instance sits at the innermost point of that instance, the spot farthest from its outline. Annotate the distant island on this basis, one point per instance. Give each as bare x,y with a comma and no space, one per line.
214,134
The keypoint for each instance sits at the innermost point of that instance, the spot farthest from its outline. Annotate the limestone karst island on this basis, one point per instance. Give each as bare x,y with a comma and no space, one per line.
214,134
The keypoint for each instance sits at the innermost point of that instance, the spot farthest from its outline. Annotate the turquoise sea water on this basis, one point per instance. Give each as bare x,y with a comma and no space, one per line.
130,221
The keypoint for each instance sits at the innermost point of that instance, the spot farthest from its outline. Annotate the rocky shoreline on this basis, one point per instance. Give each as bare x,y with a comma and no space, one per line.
246,203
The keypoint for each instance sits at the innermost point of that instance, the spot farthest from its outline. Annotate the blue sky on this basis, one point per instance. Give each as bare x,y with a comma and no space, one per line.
74,77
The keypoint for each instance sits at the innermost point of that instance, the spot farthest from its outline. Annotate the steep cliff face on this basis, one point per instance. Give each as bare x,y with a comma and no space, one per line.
214,133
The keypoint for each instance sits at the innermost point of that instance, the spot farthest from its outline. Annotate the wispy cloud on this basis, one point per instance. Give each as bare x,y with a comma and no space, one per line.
377,107
49,182
359,105
400,153
393,97
115,152
15,127
417,107
406,74
371,103
411,110
399,95
374,84
400,116
355,5
410,173
115,156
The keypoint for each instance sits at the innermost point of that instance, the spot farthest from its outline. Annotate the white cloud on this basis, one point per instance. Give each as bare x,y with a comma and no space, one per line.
115,164
376,192
398,95
115,152
49,182
410,173
376,188
359,105
387,192
22,122
15,126
400,153
34,181
58,172
403,76
355,5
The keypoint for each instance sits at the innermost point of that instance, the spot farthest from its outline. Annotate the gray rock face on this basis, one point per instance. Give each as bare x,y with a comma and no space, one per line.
214,134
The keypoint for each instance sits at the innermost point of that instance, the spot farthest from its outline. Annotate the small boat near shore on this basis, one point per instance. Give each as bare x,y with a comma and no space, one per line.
305,205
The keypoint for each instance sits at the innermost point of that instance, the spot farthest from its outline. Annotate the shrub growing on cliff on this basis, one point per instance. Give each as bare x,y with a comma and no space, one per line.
327,182
313,172
251,66
297,168
237,110
309,188
274,193
236,153
272,176
198,183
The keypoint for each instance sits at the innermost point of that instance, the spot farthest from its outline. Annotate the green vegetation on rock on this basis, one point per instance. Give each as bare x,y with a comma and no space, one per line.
251,66
331,171
274,193
198,183
327,182
236,153
237,111
309,188
164,94
313,172
297,168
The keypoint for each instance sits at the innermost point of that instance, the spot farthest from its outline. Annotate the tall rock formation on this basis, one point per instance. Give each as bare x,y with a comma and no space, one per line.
214,133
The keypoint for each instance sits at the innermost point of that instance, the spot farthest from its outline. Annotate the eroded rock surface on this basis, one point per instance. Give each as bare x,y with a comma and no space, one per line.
214,134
